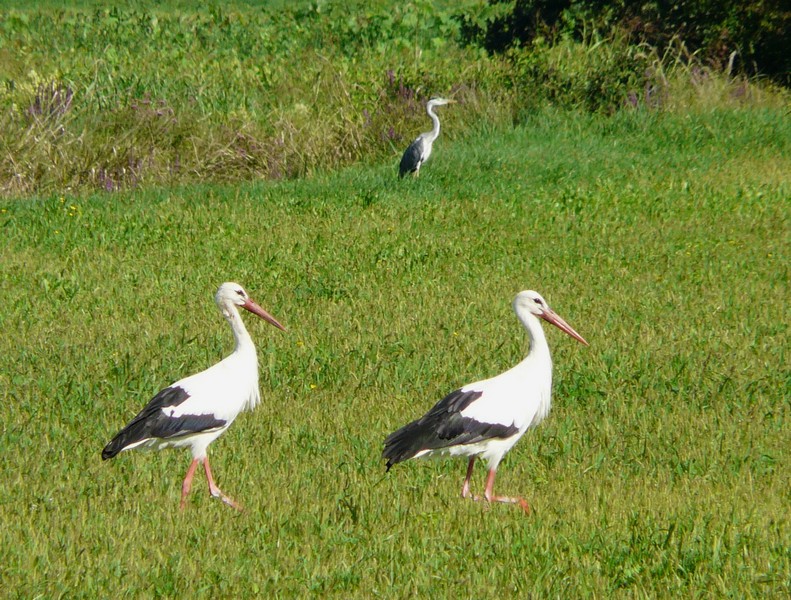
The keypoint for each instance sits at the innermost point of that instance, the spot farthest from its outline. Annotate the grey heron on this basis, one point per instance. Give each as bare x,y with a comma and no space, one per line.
418,151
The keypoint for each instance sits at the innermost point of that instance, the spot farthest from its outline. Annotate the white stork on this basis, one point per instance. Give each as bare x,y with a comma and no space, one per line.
198,409
418,151
486,418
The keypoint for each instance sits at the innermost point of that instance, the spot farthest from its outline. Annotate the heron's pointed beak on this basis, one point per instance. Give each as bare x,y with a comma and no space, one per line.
257,310
550,316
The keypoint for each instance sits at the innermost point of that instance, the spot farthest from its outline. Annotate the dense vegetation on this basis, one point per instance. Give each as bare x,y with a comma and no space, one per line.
748,35
116,98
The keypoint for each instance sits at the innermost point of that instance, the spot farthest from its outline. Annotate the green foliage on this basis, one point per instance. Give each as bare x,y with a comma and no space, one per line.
224,94
663,470
119,98
597,75
753,33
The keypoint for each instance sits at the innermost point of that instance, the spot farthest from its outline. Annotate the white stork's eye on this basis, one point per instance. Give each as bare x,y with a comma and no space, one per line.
240,292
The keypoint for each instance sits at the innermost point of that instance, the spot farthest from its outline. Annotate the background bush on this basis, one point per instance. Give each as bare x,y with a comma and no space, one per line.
753,33
98,98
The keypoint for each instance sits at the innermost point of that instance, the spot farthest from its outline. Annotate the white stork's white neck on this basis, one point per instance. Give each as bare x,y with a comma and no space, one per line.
539,348
435,131
244,343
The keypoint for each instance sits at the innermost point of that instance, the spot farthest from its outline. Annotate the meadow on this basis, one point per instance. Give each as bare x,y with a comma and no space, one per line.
662,471
658,228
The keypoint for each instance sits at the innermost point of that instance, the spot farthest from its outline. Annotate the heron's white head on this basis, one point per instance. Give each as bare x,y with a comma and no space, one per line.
439,102
530,302
232,294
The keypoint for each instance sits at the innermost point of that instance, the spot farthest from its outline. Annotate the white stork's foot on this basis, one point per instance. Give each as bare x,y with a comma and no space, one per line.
509,500
216,493
214,490
465,489
183,503
491,497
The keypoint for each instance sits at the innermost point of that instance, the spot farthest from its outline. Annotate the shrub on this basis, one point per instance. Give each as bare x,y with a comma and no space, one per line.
752,34
112,98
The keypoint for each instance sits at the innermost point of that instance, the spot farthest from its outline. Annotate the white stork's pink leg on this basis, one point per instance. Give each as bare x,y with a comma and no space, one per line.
465,489
214,490
187,485
490,497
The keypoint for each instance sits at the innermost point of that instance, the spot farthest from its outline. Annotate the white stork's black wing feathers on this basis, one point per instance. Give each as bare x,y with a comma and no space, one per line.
154,423
441,427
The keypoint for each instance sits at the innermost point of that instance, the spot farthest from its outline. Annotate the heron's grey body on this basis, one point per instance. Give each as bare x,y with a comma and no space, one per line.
418,151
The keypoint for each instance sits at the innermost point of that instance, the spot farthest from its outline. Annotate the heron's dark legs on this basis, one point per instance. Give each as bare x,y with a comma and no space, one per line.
490,497
214,490
465,490
187,485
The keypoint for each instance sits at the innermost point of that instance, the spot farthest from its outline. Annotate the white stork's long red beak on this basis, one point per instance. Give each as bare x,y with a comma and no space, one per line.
550,316
257,310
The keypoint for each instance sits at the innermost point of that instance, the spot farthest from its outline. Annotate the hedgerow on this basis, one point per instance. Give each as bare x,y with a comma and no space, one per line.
118,98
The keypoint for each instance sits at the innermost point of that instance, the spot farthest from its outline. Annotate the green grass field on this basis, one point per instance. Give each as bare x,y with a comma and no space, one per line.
663,470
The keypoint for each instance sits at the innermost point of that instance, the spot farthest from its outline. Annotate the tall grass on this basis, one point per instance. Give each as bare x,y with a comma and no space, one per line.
662,471
120,98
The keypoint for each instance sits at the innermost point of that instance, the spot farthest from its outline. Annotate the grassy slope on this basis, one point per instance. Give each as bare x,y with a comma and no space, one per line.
135,97
663,468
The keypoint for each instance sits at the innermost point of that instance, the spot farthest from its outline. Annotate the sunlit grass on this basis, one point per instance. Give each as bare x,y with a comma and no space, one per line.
662,471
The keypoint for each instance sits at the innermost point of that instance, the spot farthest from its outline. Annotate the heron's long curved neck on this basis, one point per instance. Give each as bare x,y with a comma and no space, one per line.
434,132
243,340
